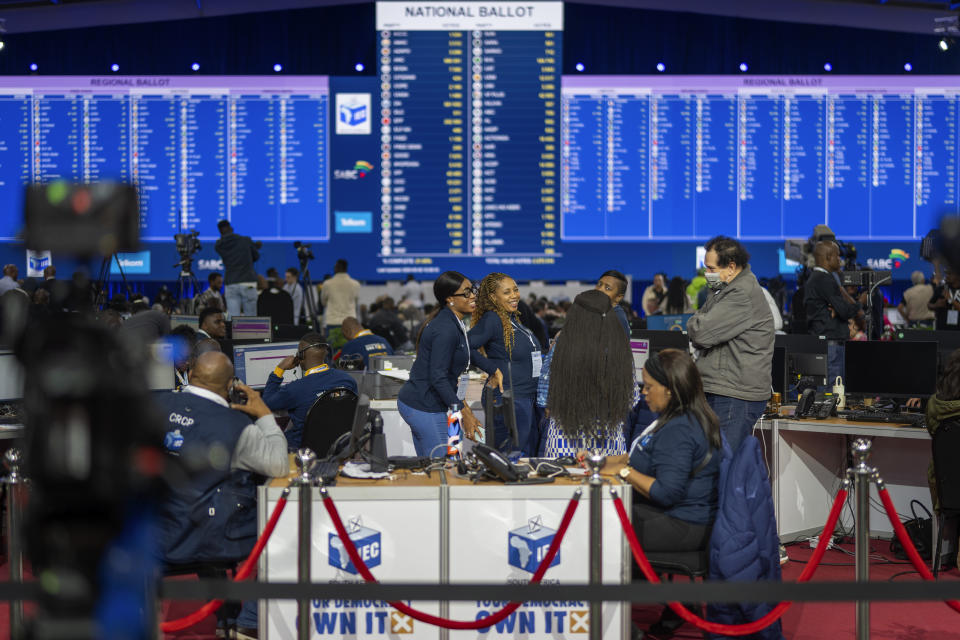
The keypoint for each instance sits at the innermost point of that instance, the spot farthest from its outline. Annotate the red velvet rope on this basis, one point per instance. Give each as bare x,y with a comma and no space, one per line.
907,543
179,624
733,629
480,623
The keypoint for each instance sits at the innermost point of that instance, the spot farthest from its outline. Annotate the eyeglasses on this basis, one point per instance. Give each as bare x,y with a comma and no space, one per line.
469,293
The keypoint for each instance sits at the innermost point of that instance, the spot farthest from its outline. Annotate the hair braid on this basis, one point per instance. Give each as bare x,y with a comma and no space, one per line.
487,302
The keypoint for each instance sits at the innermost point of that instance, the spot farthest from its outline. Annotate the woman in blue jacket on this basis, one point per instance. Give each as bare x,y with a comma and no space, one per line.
437,381
509,352
674,464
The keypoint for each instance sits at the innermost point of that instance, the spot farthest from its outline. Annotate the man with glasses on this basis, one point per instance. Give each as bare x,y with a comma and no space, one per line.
298,396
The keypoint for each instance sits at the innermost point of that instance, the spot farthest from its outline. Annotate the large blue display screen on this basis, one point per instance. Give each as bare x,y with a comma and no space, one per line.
469,152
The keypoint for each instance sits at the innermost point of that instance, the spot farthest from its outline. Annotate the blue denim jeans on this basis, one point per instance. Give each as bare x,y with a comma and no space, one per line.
737,416
241,299
429,429
834,362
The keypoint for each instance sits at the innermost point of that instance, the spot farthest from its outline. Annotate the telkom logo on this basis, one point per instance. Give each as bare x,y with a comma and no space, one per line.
527,546
366,540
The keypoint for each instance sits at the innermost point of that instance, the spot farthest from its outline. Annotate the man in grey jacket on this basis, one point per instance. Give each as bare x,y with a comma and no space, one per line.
733,332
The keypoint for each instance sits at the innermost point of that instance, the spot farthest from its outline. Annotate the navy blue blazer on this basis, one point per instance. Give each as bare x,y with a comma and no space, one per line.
442,356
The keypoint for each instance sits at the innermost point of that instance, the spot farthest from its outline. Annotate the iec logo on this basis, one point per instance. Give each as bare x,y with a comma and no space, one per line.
38,263
527,546
367,542
353,113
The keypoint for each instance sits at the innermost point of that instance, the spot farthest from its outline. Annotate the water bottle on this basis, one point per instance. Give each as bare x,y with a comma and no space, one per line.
454,431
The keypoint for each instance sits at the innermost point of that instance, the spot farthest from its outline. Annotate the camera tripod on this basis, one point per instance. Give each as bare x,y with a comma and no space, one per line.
103,280
308,293
187,281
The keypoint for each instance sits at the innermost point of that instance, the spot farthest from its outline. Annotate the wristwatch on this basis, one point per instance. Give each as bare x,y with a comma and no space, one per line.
625,473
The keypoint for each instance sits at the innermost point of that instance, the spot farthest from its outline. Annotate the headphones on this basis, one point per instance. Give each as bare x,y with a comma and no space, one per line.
315,345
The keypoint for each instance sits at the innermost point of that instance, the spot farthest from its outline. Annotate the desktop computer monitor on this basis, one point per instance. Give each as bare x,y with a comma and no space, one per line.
252,329
779,371
191,321
11,377
659,340
253,363
891,369
801,343
675,322
358,439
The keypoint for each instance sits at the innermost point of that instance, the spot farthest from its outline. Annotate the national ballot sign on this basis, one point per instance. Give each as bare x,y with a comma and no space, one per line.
378,520
500,534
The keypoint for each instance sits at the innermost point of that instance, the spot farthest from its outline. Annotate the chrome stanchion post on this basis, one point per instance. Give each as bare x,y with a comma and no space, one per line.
596,542
15,487
305,461
861,475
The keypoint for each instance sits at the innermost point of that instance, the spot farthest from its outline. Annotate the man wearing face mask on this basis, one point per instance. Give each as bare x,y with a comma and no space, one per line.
733,332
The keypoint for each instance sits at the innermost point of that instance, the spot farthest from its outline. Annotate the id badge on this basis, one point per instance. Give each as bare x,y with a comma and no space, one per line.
952,316
537,360
462,386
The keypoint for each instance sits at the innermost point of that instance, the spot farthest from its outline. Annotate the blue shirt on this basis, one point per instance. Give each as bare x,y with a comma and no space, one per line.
669,455
622,317
488,333
367,344
298,396
442,355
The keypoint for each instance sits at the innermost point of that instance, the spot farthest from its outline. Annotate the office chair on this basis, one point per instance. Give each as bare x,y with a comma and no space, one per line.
946,443
330,417
277,304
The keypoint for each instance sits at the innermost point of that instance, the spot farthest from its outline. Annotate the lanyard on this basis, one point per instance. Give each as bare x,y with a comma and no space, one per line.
365,332
466,338
527,333
319,369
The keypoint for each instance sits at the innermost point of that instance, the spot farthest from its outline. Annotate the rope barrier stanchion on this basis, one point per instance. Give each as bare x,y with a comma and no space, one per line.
16,489
305,459
861,474
479,623
596,541
179,624
905,540
733,629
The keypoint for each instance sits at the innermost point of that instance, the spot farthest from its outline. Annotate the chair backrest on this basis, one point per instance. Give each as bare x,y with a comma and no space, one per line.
330,417
277,304
946,444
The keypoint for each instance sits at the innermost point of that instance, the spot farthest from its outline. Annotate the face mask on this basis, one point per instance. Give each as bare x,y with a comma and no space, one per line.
713,280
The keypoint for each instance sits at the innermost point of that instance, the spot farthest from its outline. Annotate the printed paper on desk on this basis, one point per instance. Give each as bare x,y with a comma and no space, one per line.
396,374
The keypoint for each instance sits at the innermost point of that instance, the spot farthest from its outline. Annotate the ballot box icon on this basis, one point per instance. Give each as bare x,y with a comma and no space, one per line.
528,545
353,113
366,540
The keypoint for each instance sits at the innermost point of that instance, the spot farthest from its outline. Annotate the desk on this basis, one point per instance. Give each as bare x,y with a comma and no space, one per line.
808,460
437,530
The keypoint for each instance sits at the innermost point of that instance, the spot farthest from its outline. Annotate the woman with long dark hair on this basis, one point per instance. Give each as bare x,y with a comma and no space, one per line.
436,383
509,352
676,300
589,381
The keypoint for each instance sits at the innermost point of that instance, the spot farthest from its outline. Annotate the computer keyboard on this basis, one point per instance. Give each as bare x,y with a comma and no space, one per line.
912,419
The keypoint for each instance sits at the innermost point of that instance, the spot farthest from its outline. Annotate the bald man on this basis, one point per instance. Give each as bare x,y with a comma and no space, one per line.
362,342
211,514
828,306
298,396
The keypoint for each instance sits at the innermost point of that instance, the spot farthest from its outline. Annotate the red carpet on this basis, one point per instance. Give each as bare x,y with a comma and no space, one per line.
803,621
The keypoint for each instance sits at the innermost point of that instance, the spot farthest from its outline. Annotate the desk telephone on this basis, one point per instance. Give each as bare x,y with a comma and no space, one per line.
810,406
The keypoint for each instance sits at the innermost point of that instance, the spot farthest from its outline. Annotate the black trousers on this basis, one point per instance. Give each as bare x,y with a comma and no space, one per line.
659,532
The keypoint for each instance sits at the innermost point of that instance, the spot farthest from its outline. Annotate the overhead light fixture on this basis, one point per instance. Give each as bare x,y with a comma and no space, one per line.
743,67
948,28
661,67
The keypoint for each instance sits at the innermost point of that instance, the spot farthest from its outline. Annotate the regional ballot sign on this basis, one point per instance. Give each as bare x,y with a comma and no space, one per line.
378,520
